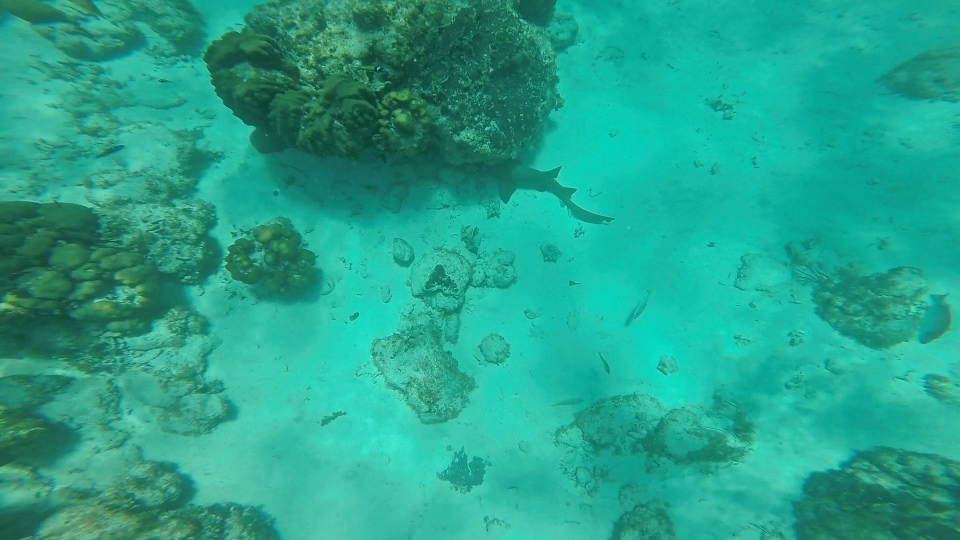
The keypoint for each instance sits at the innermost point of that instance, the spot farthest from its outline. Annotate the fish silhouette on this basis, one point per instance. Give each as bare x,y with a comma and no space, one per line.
936,319
523,177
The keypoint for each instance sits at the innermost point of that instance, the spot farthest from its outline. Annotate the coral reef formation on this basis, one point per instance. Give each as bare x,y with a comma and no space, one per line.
414,364
474,81
273,260
55,265
882,493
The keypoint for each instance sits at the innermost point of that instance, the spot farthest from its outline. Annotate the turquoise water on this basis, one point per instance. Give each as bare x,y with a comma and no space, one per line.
310,270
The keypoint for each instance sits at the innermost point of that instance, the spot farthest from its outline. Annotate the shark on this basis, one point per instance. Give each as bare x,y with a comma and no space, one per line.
515,176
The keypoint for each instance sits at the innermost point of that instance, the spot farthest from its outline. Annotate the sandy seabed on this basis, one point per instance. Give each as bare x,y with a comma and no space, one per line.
810,147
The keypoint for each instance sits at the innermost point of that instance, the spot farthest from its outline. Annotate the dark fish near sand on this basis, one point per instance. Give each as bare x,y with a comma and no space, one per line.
33,11
936,319
109,150
638,309
566,402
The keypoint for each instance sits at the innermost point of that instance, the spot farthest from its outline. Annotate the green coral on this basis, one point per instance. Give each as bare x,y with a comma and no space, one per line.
234,48
248,71
405,123
54,266
273,260
340,119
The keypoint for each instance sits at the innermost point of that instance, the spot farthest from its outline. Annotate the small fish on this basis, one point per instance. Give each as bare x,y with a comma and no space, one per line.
936,319
33,11
87,5
376,69
606,366
570,401
109,150
638,310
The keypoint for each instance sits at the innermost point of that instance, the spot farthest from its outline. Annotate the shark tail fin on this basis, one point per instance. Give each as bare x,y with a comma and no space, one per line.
562,191
507,190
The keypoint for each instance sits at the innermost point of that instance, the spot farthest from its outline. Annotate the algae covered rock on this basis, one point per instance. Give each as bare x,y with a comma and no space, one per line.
474,81
414,364
22,432
640,425
878,310
649,521
615,425
882,493
150,485
273,260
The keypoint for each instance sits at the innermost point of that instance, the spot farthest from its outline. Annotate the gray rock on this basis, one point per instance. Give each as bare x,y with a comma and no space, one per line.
440,278
550,252
415,365
494,349
402,252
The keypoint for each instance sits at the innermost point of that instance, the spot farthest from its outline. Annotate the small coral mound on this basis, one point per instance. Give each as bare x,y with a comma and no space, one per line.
494,349
55,265
273,260
882,493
